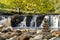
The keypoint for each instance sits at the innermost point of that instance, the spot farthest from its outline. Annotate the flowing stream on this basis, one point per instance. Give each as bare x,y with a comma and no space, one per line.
34,21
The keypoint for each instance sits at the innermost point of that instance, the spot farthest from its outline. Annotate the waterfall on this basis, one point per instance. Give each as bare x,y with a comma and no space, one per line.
28,20
23,23
2,22
33,22
5,21
59,22
41,26
53,21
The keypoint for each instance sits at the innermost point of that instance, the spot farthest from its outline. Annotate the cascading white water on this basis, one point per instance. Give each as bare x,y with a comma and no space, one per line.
23,23
5,21
54,21
41,26
2,22
33,22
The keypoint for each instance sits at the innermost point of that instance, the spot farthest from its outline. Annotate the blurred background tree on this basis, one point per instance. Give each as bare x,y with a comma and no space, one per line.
56,4
41,6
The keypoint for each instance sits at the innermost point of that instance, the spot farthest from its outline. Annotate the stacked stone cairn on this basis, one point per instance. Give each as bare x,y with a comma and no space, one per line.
46,30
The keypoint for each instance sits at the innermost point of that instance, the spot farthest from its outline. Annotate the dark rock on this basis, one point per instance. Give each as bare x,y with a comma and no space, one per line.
2,38
19,32
16,19
24,36
6,30
28,20
39,20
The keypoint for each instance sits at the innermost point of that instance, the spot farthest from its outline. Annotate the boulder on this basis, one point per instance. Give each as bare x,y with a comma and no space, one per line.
16,19
38,37
38,31
7,35
24,36
2,38
56,33
7,29
1,26
53,38
12,38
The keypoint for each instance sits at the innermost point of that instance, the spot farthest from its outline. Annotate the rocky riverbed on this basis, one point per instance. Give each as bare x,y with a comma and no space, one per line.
27,34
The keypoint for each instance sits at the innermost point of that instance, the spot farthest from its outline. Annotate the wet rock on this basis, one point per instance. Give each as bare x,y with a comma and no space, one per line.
56,33
31,39
6,30
18,33
47,36
16,19
38,31
6,35
37,37
12,38
28,20
39,20
45,39
1,38
53,38
24,36
1,26
7,22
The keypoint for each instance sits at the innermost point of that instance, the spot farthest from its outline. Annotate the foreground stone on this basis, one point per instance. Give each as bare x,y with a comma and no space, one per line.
24,36
56,33
38,37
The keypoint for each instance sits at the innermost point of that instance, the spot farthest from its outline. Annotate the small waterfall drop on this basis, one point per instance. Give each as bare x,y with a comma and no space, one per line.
23,23
5,21
32,23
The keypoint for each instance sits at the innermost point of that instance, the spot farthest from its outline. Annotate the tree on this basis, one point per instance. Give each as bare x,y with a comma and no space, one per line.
56,4
41,6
